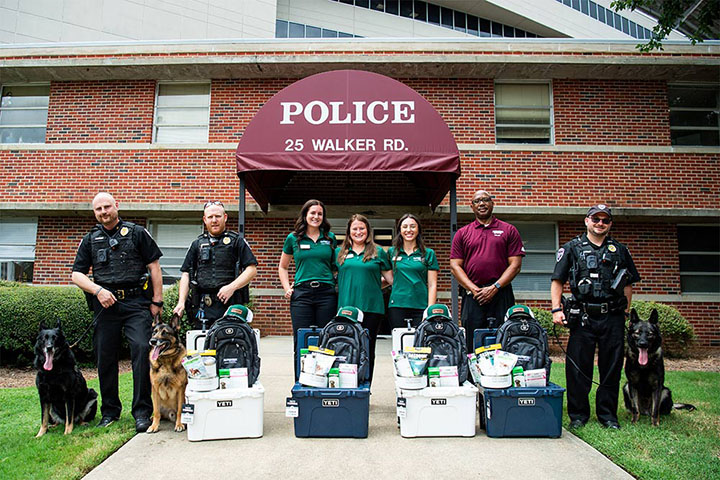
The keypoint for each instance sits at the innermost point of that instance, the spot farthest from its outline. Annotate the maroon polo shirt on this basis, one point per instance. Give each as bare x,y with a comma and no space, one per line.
485,249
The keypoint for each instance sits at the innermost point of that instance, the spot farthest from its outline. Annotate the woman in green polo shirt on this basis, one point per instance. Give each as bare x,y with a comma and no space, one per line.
415,270
361,267
312,296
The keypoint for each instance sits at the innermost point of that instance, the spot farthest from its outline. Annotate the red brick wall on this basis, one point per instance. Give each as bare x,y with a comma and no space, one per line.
607,111
97,112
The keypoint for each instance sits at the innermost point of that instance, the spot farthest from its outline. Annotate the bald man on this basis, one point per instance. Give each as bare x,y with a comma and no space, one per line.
485,257
120,254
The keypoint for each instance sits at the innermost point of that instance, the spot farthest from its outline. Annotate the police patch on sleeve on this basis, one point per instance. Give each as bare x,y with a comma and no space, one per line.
559,255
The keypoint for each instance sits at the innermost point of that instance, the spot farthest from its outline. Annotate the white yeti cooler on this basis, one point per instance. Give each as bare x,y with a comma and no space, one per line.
228,413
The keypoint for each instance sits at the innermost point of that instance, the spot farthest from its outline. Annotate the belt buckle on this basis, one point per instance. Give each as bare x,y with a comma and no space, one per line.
603,308
207,300
120,294
315,284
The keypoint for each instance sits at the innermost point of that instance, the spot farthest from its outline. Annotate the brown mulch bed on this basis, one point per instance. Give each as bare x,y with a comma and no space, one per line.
25,377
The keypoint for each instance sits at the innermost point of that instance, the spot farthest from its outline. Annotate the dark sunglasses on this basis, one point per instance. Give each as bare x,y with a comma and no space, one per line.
602,220
213,202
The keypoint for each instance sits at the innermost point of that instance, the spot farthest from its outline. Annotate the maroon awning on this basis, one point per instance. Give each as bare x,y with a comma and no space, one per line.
348,137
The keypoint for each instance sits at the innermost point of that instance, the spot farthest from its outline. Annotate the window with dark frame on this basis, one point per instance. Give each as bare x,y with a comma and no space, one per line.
523,113
699,251
17,249
694,114
23,113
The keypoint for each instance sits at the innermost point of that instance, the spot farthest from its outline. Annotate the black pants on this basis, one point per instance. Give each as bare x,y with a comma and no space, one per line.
397,317
606,332
216,310
133,316
311,306
475,316
372,321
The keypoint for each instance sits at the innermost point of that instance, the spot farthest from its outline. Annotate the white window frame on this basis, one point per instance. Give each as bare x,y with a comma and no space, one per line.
716,128
338,226
9,263
696,252
47,109
153,229
155,110
551,252
550,108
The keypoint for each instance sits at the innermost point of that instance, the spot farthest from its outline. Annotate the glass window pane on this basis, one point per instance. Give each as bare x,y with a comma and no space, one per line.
508,31
174,239
23,117
585,7
700,284
420,11
22,135
473,25
182,135
313,32
25,96
532,282
538,236
297,30
706,138
459,21
519,94
329,33
184,95
601,13
406,8
484,27
700,263
446,17
693,96
281,29
362,3
576,4
497,29
522,135
522,116
182,116
700,238
345,35
392,7
593,9
682,118
378,5
618,21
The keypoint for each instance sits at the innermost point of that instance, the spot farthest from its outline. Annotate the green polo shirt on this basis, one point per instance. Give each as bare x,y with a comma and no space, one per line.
410,289
313,260
359,283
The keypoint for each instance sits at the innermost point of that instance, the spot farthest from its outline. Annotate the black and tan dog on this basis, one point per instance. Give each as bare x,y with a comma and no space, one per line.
645,391
167,375
64,396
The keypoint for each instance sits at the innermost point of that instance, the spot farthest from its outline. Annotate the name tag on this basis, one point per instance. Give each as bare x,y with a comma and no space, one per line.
324,242
396,259
497,233
350,255
304,247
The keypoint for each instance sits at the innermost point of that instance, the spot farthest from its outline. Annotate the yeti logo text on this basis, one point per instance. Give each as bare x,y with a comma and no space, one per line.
378,112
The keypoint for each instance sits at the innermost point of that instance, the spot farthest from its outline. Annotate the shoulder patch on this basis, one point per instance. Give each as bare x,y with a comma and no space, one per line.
559,255
612,248
125,230
226,240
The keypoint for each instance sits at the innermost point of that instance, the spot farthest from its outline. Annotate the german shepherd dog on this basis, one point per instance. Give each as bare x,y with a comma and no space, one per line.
64,396
167,375
645,391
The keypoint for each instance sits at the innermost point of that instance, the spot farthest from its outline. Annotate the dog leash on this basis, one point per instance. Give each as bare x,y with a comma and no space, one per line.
92,324
557,339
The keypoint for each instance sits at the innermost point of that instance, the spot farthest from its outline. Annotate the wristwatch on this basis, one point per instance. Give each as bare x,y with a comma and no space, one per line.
157,304
497,285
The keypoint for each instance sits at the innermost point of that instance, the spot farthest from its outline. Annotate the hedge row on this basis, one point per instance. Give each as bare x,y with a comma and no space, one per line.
23,307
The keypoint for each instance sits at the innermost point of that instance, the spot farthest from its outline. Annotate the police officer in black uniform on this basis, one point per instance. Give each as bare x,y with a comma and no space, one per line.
218,265
601,272
123,298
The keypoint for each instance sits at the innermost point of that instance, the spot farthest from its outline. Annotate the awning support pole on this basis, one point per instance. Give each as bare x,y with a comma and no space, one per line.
453,229
241,206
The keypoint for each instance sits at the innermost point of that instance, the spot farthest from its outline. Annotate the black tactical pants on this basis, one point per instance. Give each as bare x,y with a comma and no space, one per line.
474,315
606,332
133,316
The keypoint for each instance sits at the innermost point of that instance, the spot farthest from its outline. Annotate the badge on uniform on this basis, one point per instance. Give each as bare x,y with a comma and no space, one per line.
124,231
226,240
559,255
612,248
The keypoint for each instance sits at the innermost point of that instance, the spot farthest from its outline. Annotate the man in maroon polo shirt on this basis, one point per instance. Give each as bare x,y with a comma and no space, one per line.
485,257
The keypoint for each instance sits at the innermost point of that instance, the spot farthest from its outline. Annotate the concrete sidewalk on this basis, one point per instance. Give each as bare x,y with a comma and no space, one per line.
384,454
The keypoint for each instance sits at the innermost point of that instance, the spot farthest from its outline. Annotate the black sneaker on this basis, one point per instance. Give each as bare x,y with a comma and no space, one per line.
576,424
611,424
142,424
106,421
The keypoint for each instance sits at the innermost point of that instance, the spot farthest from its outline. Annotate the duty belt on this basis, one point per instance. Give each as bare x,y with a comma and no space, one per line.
123,293
602,308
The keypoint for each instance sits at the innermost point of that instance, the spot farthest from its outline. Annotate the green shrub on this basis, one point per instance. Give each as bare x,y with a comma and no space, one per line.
544,317
676,330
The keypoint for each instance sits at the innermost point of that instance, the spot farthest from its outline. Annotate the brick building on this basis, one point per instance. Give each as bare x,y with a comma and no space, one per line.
549,126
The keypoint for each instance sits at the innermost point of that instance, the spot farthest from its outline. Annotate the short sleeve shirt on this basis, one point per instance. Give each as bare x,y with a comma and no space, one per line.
148,249
410,273
565,258
313,260
359,283
485,249
244,254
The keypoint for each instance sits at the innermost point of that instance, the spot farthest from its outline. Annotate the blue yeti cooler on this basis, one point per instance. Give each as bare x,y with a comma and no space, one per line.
522,411
329,412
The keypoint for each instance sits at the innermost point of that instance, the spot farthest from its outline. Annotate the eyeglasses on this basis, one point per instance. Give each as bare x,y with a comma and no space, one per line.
213,202
475,201
603,220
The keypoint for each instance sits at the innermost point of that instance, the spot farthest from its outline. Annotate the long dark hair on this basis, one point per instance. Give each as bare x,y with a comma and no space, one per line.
370,246
397,242
301,222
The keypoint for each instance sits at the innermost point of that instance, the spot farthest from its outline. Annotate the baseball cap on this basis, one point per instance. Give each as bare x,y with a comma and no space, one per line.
437,310
600,208
239,312
519,310
351,313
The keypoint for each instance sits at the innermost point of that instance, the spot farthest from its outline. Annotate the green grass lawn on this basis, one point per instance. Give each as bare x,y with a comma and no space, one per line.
685,445
56,456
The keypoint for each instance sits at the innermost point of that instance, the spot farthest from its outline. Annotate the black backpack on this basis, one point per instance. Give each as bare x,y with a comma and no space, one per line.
235,346
447,342
351,344
523,335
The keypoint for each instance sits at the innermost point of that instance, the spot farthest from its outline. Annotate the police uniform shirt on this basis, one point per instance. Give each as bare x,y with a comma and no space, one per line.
313,260
409,289
146,247
565,259
241,249
359,283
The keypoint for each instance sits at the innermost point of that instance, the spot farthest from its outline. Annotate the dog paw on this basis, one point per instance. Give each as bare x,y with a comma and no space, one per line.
42,432
153,428
180,428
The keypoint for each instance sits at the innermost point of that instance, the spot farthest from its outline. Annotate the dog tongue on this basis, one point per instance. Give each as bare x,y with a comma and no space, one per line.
48,365
155,353
643,358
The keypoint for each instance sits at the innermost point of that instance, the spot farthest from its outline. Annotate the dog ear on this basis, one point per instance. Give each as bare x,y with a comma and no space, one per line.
654,317
175,321
42,325
156,321
634,318
57,325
